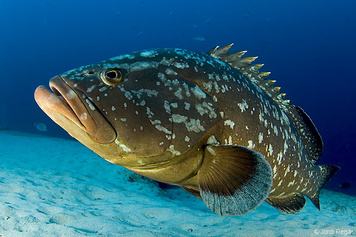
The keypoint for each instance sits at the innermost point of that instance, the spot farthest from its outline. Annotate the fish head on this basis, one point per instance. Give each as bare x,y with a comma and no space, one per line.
135,107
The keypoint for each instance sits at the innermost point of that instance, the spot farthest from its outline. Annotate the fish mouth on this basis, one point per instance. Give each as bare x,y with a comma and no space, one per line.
65,102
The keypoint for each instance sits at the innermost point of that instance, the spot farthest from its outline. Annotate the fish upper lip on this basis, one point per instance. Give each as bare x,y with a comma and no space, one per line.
62,90
86,116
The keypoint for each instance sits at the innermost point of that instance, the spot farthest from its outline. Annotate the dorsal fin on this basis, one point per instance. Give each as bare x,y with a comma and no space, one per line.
296,115
243,64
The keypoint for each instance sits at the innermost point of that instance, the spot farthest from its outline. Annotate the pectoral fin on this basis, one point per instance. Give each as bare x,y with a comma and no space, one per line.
233,180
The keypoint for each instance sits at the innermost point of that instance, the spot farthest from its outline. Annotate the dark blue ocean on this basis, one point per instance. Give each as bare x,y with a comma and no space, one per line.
309,46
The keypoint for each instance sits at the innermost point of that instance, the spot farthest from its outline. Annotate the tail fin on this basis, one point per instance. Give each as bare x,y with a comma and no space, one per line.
318,176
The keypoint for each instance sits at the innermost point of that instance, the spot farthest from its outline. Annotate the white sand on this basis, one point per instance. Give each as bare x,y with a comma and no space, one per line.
56,187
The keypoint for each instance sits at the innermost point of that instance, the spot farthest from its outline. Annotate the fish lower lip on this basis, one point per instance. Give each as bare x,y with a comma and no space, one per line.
68,103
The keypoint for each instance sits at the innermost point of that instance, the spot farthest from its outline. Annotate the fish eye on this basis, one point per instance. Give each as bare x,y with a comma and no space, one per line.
111,76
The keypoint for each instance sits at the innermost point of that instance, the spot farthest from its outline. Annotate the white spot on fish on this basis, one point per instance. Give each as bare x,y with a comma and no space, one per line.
211,151
230,140
179,94
270,150
250,144
174,152
128,56
71,94
123,146
285,147
260,116
163,129
91,106
128,95
187,105
198,93
275,130
177,118
243,106
83,116
281,194
287,171
169,71
275,171
206,108
229,123
90,89
167,107
279,158
212,141
191,125
103,88
291,183
181,65
149,93
260,138
148,54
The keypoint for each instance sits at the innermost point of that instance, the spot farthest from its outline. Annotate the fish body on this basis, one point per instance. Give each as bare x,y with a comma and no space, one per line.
211,123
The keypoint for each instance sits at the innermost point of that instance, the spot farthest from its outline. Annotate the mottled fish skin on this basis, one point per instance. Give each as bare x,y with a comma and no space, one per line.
194,120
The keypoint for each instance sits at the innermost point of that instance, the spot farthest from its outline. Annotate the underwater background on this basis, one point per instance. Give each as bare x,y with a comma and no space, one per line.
309,46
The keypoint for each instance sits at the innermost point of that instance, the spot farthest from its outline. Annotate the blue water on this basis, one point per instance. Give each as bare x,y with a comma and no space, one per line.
309,46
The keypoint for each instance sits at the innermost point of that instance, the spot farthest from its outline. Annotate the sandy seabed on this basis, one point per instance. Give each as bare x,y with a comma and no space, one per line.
57,187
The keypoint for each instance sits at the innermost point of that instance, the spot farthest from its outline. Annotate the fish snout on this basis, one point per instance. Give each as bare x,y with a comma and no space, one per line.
73,104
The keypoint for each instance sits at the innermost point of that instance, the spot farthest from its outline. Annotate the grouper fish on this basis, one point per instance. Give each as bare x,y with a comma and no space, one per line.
211,123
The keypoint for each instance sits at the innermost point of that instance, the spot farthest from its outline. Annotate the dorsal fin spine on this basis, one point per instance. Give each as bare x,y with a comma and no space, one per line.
243,64
258,66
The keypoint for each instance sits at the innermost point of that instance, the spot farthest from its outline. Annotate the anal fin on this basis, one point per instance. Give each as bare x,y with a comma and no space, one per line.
287,204
233,180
